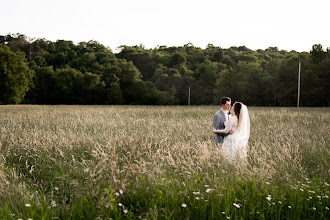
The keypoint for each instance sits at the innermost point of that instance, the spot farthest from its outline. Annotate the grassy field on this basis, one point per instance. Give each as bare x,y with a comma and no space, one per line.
148,162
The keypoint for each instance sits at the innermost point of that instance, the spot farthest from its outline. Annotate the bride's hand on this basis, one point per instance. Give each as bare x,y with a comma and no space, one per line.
214,130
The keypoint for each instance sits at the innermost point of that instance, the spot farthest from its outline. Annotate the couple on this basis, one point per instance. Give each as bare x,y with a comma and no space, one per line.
232,131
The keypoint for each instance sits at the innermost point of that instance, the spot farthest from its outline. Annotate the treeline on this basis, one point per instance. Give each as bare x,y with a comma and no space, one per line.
44,72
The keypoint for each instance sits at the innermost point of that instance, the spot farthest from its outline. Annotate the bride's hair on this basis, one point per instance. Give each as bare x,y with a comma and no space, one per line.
237,109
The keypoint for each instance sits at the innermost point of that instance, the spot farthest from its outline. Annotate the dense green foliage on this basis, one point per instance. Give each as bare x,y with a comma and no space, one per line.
15,76
90,73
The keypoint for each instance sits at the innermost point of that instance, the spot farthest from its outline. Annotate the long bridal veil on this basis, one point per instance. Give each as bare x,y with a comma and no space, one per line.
244,125
235,145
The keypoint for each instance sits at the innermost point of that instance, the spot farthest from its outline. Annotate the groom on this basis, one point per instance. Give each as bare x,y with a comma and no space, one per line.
219,119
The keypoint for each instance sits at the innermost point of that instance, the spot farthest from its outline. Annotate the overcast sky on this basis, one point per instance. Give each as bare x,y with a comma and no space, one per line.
256,24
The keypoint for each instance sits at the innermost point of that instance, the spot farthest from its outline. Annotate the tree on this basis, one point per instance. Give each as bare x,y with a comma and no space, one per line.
141,58
146,93
112,93
15,76
69,86
214,54
127,73
123,75
177,60
287,82
252,87
44,86
271,70
317,54
316,84
19,43
226,85
90,73
323,74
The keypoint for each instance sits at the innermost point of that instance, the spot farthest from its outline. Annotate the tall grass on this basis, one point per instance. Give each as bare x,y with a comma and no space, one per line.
132,162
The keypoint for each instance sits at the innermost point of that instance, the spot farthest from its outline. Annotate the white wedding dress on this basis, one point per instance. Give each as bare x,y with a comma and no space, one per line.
235,145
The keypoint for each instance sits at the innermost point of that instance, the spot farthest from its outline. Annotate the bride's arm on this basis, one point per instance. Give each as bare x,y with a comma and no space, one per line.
227,128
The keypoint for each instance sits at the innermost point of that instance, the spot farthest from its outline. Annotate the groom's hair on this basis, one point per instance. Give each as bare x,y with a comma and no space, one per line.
224,100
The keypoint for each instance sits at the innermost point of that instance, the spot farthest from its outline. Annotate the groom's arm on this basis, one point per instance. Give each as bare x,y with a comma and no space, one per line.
216,124
216,121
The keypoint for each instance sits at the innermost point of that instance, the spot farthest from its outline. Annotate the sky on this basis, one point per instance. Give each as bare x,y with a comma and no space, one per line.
257,24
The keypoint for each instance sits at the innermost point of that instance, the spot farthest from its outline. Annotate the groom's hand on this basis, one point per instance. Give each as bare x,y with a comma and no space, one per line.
231,132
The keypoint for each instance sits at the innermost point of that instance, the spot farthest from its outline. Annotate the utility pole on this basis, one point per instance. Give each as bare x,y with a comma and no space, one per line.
298,99
189,97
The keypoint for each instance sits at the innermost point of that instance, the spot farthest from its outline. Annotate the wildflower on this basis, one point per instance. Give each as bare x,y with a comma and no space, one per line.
311,191
121,191
30,219
228,217
223,213
197,198
209,190
184,205
196,193
27,205
326,184
279,202
120,204
236,205
206,186
327,208
269,197
314,208
53,204
56,188
116,194
289,207
301,190
125,211
267,183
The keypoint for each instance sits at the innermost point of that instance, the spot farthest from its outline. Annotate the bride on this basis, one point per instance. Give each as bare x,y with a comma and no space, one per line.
235,145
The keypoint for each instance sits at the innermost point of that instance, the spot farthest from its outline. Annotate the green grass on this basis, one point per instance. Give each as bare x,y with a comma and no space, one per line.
148,162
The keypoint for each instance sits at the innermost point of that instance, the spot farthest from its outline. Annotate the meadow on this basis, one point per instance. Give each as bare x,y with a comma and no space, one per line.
158,162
